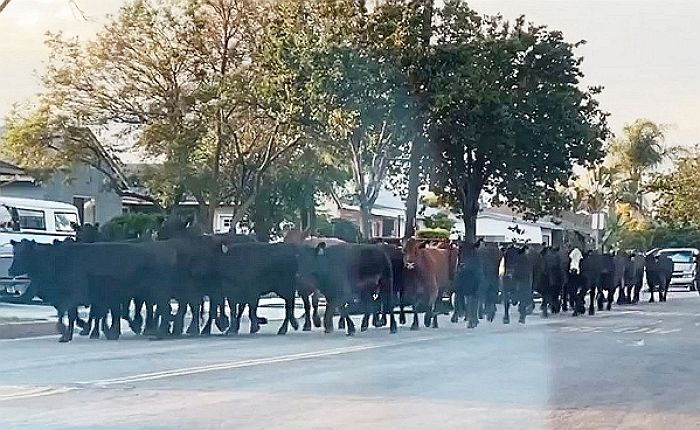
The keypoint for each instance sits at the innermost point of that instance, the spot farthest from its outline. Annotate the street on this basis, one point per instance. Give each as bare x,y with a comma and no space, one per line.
633,367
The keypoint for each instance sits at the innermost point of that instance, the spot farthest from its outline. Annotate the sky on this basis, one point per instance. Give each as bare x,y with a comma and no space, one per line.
644,52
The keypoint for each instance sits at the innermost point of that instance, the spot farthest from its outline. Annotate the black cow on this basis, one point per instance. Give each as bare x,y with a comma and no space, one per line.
595,277
51,280
659,269
344,271
517,281
636,276
249,270
554,279
476,282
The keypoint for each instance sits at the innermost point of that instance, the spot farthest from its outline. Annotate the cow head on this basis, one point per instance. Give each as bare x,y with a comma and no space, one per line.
575,258
24,257
410,253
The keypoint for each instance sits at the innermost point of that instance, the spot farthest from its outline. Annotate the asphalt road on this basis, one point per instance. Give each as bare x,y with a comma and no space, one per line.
635,367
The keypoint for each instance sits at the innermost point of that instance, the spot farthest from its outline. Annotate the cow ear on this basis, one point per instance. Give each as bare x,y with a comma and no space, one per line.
13,243
224,248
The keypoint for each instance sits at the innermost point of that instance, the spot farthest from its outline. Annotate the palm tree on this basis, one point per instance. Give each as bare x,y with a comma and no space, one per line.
638,150
592,191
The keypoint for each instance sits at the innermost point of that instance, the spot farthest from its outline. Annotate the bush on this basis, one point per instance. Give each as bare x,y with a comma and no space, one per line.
440,220
433,233
131,226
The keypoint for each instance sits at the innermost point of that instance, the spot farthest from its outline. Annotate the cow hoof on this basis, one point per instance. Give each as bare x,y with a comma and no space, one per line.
521,320
262,320
591,312
402,319
454,319
84,332
490,317
415,327
328,330
63,339
307,327
94,335
393,330
350,334
254,330
282,331
317,321
363,328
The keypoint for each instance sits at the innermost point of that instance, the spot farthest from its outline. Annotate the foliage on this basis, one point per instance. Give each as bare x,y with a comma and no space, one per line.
341,228
679,192
638,150
433,233
131,226
507,114
440,220
659,236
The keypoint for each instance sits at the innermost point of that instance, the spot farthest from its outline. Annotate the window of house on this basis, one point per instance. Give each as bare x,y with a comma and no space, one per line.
31,219
65,222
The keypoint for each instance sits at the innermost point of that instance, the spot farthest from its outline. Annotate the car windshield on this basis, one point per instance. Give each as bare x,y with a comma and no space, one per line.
683,257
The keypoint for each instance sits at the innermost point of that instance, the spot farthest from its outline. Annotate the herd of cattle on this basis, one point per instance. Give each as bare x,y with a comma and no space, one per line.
127,280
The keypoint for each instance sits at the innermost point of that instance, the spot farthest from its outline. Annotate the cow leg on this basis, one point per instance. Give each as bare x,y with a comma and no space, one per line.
195,308
328,316
473,311
136,324
289,315
253,316
116,329
506,308
457,305
213,309
179,321
564,293
341,321
307,311
591,307
600,297
651,291
314,304
344,315
368,305
60,326
87,327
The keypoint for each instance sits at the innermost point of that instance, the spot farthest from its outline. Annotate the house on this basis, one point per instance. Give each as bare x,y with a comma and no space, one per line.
95,189
503,225
388,214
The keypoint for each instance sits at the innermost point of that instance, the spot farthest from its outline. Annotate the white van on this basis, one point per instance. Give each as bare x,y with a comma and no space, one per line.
39,220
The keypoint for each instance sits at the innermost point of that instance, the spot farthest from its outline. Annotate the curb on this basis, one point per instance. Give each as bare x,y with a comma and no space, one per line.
27,329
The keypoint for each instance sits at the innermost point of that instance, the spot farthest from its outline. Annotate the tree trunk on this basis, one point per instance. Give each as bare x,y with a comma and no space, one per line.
470,211
365,221
413,183
417,147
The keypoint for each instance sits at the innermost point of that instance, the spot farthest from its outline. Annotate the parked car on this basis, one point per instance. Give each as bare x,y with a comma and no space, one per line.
685,266
39,220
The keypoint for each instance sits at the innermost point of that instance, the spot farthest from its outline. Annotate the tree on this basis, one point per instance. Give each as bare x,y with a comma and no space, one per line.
679,192
507,114
189,78
360,96
638,150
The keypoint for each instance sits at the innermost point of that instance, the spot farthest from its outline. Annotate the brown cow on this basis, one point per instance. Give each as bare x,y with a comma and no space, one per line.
434,268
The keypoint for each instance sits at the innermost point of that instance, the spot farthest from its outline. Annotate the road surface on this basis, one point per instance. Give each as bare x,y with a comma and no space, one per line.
635,367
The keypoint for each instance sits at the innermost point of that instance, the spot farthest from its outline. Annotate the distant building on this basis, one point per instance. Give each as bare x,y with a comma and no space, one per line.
388,214
87,187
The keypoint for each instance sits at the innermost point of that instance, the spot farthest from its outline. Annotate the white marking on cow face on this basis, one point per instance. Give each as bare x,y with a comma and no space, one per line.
410,265
575,258
224,248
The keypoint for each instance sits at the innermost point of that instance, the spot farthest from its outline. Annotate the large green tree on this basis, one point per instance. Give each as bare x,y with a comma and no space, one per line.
678,192
508,114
